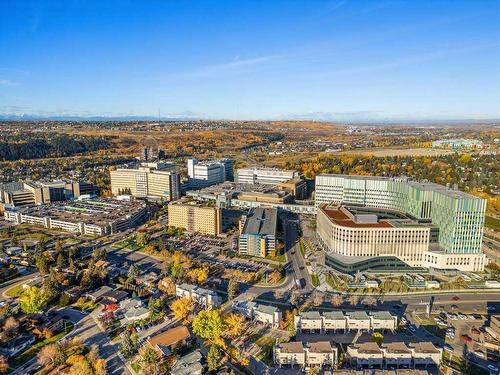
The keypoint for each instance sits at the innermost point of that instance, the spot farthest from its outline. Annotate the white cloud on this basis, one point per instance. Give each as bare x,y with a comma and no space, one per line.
236,65
7,82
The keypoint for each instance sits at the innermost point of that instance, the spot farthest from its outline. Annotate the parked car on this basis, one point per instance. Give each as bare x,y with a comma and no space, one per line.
448,348
479,354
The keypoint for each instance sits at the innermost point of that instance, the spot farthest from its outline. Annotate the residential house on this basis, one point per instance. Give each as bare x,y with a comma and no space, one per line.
204,297
73,293
426,354
96,295
268,315
48,327
17,345
133,310
309,321
190,364
290,354
365,354
113,296
358,320
397,354
334,321
321,354
166,341
384,321
331,321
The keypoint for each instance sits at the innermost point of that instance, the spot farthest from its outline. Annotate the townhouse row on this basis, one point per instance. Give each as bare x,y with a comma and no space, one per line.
332,321
324,355
395,354
320,354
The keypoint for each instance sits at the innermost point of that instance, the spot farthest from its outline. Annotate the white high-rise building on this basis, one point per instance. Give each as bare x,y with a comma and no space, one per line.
209,172
271,176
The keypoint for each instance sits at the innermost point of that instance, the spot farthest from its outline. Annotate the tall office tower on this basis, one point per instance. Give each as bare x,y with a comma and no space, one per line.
208,172
272,176
457,217
146,182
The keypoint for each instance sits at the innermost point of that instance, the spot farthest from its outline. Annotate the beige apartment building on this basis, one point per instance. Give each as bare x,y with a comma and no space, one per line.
397,354
195,217
319,354
146,182
333,321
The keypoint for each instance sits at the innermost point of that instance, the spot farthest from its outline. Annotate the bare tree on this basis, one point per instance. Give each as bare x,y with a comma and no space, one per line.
4,364
278,294
353,300
337,300
369,301
294,298
316,298
48,354
357,276
10,327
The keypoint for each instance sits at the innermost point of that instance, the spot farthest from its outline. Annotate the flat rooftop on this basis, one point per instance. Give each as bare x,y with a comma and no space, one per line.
424,347
425,185
236,188
261,221
291,347
310,315
320,347
186,201
382,315
90,211
358,315
397,347
339,217
368,348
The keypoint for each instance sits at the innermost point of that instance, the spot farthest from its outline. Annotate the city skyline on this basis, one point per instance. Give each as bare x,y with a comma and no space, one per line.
335,60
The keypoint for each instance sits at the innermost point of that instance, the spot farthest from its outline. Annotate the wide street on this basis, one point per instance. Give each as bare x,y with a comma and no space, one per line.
292,241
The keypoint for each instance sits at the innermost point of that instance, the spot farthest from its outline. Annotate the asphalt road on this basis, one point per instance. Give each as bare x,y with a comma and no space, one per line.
86,330
291,229
14,282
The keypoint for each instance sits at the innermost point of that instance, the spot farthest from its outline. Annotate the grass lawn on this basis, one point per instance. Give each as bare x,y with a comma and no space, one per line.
492,223
136,367
315,279
262,341
34,349
15,291
120,244
280,258
86,306
302,248
457,364
266,344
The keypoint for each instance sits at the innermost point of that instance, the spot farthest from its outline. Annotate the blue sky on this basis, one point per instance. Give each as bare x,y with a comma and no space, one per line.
342,59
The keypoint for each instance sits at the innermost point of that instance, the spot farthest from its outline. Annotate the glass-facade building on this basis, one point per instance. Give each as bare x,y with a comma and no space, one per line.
458,216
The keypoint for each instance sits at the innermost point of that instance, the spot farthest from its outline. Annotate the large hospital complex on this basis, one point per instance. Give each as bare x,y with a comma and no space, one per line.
363,222
395,223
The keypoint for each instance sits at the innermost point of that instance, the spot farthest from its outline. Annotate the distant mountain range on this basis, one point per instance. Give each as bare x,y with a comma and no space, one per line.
34,117
339,117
